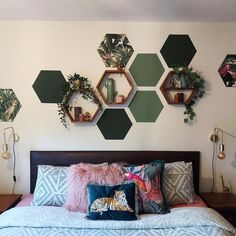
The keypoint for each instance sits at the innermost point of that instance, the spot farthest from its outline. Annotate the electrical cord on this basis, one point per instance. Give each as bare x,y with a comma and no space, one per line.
213,167
14,167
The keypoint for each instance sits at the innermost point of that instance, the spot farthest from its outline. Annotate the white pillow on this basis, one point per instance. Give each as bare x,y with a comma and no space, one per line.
51,186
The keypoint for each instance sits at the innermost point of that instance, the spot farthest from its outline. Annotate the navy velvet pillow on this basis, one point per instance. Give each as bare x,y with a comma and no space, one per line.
111,202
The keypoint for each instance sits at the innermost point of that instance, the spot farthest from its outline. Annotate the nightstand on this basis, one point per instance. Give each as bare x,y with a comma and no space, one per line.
8,201
224,203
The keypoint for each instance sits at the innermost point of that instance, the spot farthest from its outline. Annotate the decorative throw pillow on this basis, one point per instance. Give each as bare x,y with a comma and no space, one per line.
111,202
178,183
149,181
51,186
82,174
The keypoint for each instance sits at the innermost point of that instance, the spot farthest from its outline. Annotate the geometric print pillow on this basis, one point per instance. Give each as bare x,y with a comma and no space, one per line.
51,186
178,183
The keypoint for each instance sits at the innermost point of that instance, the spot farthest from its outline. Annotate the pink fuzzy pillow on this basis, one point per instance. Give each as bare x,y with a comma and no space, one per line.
81,174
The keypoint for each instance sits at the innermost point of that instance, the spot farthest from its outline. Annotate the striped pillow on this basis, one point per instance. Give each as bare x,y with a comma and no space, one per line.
51,186
178,183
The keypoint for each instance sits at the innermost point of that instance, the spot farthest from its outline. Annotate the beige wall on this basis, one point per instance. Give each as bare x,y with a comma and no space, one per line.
28,47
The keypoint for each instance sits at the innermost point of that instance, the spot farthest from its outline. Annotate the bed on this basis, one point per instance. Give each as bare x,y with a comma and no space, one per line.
51,220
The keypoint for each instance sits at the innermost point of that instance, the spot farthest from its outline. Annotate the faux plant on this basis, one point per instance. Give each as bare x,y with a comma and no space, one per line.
78,84
191,79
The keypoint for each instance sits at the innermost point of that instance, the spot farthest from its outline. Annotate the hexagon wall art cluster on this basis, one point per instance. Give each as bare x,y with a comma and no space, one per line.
9,105
115,51
146,70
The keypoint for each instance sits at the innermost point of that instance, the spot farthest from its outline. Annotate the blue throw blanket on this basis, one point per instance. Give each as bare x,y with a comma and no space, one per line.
36,220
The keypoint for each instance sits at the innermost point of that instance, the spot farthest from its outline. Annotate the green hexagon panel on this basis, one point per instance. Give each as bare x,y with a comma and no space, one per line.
9,105
146,106
115,50
114,124
48,86
146,69
178,50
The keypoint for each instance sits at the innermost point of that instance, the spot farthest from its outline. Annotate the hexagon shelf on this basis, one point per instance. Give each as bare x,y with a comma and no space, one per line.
76,112
175,92
115,86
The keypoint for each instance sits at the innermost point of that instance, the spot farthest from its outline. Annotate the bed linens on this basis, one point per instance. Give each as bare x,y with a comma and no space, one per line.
55,220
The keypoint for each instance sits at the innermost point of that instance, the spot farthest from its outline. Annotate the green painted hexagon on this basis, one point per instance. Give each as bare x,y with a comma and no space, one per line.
48,86
146,69
178,50
114,124
146,106
9,105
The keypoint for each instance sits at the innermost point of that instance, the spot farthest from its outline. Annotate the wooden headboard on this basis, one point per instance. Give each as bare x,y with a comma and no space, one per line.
66,158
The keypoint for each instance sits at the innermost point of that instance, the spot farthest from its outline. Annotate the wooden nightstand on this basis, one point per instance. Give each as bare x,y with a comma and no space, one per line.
8,201
224,203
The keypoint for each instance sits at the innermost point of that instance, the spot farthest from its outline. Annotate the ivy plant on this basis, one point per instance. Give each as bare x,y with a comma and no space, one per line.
81,85
191,79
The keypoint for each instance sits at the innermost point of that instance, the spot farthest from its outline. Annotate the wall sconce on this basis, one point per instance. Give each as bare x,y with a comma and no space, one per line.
6,153
215,138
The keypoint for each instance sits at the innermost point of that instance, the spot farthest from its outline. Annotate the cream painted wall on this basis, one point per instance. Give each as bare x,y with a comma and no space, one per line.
28,47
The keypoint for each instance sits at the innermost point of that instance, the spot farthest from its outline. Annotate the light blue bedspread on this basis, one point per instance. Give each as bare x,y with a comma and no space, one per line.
36,220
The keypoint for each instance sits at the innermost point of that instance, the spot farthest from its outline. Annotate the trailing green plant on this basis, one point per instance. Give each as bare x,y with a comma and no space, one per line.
76,84
192,79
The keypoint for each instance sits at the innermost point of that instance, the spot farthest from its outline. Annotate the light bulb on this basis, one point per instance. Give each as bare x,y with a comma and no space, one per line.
5,155
221,155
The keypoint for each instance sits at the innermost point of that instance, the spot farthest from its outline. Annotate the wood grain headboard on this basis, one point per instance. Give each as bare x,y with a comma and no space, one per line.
66,158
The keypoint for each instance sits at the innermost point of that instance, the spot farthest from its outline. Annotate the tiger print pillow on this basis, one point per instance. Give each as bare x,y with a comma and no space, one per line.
115,202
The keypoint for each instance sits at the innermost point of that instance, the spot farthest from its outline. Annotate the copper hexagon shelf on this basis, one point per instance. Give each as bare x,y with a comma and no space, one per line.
174,92
76,112
112,83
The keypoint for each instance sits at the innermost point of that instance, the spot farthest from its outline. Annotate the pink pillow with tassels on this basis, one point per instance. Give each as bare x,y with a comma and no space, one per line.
81,174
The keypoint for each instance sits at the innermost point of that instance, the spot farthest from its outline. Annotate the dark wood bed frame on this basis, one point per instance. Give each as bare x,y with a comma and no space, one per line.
66,158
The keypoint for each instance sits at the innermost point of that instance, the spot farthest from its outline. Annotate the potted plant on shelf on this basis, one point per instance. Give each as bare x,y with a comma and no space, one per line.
78,84
191,79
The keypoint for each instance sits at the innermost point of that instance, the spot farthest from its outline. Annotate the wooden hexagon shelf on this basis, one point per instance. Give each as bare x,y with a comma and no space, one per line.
112,83
174,92
77,113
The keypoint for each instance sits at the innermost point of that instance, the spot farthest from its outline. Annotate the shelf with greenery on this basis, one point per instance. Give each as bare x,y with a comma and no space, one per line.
77,94
183,86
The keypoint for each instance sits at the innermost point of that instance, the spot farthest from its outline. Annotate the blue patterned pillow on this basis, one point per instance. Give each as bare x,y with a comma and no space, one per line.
51,186
111,202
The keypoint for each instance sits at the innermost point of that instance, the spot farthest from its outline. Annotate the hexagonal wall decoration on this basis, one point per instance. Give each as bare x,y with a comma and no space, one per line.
9,105
146,106
146,69
178,50
115,50
227,71
115,86
48,86
114,124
